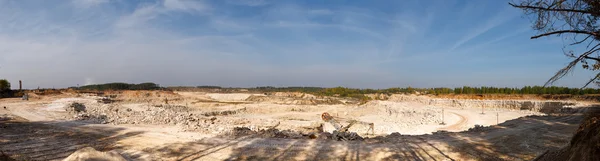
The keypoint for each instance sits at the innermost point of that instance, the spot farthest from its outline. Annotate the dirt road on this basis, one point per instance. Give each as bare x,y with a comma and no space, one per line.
462,122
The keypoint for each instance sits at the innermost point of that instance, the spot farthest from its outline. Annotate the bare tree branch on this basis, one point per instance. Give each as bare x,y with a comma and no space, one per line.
564,31
591,80
562,72
550,9
593,58
579,42
568,18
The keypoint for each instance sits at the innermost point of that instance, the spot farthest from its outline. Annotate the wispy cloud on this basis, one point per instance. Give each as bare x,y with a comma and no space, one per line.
88,3
248,2
499,19
185,5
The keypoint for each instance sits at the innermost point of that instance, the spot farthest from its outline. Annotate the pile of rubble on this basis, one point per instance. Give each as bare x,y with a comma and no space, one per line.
477,128
290,134
176,115
225,112
75,107
79,112
345,136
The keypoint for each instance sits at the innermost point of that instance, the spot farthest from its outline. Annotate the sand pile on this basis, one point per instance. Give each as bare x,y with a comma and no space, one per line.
89,153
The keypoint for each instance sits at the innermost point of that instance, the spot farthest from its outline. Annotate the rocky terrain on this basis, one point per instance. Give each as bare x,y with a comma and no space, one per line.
264,119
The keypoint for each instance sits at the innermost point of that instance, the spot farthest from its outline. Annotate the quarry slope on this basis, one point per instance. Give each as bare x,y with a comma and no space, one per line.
157,125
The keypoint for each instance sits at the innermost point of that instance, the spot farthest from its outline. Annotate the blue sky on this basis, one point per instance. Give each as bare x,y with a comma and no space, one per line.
245,43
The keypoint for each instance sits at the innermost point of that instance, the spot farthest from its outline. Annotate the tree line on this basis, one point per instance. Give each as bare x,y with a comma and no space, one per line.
348,92
360,93
120,86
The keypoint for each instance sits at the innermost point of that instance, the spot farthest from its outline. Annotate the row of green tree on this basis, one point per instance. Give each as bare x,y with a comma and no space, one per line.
359,93
524,90
346,92
120,86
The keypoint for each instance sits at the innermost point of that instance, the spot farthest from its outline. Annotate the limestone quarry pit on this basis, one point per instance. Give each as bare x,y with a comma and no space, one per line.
164,125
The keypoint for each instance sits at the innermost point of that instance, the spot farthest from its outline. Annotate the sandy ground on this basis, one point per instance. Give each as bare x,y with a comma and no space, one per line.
42,130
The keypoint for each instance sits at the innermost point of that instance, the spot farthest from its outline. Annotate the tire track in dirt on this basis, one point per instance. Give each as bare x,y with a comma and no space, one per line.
458,125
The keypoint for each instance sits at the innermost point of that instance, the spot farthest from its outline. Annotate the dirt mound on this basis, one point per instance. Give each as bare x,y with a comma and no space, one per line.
90,153
585,144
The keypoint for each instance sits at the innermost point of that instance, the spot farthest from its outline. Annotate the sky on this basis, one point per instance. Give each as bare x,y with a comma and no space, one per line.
248,43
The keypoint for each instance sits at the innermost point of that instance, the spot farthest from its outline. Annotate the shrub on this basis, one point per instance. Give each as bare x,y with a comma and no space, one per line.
4,85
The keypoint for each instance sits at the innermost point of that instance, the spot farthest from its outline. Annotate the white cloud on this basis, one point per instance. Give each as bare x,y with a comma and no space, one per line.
139,16
185,5
248,2
88,3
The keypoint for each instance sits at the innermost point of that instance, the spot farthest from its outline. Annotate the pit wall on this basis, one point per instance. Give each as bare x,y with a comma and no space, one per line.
531,105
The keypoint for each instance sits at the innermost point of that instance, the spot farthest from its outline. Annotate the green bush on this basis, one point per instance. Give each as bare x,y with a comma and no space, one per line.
4,85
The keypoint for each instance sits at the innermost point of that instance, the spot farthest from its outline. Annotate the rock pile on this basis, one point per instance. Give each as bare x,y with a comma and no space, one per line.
477,128
224,113
268,133
276,133
75,107
177,115
345,136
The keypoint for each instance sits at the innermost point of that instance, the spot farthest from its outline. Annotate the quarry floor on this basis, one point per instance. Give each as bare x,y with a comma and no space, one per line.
39,130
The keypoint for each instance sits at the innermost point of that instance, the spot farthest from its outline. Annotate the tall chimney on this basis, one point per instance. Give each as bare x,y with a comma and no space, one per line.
20,85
